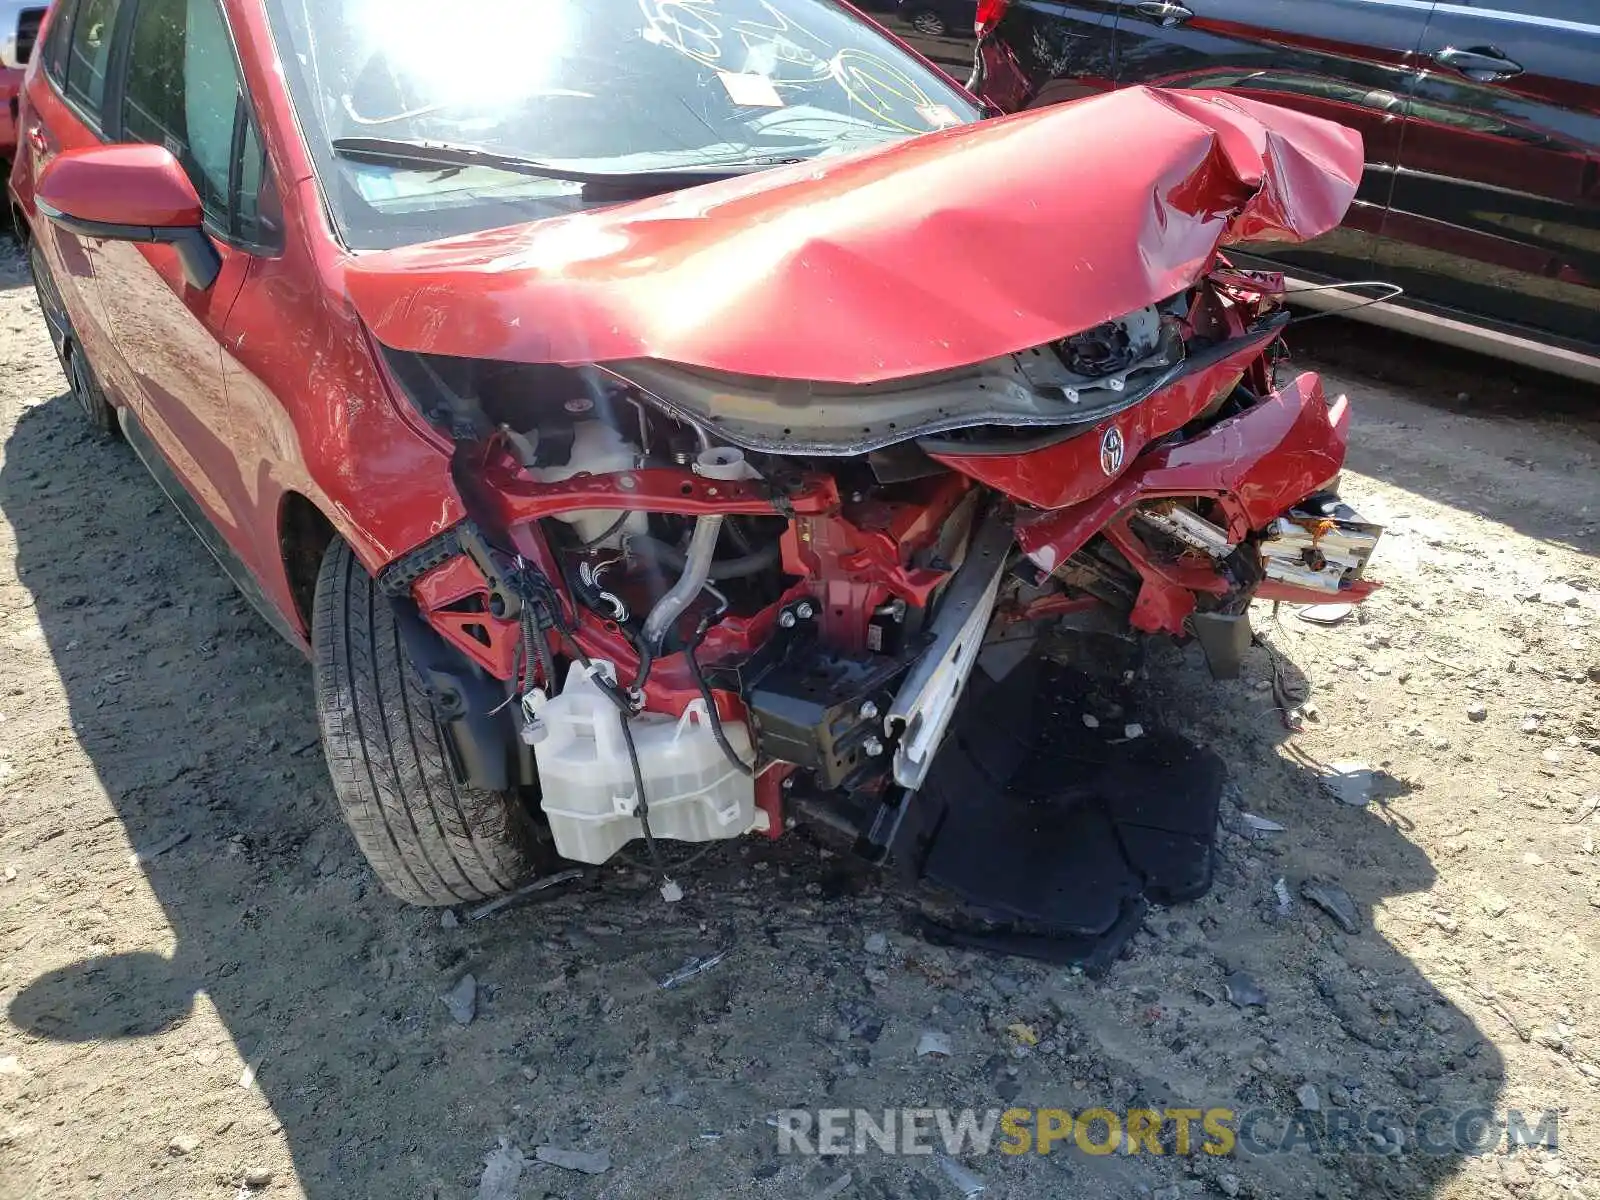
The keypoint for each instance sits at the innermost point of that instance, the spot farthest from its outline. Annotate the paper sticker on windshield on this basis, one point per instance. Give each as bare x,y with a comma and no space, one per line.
940,116
755,91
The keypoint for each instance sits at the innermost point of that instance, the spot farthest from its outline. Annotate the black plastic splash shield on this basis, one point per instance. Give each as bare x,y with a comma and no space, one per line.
1053,835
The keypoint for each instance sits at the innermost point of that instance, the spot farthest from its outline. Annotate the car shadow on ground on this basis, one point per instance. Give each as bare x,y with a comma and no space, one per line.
199,723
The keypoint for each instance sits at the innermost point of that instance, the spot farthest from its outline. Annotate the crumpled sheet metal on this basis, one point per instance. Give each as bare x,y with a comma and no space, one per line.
928,254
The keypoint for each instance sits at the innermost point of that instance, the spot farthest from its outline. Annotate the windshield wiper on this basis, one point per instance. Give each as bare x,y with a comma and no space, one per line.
422,155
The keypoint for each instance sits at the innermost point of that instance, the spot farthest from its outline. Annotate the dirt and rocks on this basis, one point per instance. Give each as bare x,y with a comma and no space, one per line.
202,992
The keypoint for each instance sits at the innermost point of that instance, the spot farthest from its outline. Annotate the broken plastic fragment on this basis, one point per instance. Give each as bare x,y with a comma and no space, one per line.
1325,614
1243,991
1335,901
1280,889
502,1171
538,885
695,966
1348,782
1260,824
574,1160
247,1077
971,1186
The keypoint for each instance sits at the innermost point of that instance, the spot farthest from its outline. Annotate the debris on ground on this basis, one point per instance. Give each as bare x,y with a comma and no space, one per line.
596,1163
449,920
1325,614
258,1177
252,1068
1023,1034
1558,595
969,1184
1306,1094
932,1042
171,842
510,898
837,1188
1335,901
462,1000
182,1145
1349,782
1243,990
690,969
502,1171
1521,1028
1260,824
1280,889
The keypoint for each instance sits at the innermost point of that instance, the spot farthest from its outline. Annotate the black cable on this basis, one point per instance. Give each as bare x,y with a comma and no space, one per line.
712,714
1394,290
682,864
624,708
647,659
612,530
644,805
717,731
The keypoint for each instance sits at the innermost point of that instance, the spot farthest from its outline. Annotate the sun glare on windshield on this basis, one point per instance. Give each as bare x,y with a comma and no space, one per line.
432,49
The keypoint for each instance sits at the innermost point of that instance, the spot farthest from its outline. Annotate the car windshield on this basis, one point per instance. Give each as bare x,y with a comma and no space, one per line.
417,111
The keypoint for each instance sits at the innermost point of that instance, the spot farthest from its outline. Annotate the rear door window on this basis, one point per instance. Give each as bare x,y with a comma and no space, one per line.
55,43
89,52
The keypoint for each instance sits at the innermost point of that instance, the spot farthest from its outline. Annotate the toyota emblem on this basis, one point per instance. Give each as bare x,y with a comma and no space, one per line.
1112,448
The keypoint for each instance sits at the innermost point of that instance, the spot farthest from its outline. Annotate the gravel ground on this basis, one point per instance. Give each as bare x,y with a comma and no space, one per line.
243,1012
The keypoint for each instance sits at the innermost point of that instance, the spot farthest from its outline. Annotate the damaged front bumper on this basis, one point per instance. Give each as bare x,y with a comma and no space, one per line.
1252,472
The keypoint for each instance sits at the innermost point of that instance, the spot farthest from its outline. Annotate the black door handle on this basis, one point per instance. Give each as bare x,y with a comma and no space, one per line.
1483,63
1164,11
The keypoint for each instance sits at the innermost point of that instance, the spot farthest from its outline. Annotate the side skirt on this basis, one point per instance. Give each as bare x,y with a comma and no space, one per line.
210,536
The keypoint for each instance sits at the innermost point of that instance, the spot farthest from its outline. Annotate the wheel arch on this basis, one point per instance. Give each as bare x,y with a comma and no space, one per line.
304,535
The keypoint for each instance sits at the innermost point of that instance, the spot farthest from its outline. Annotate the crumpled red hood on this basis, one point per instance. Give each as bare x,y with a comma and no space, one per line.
927,254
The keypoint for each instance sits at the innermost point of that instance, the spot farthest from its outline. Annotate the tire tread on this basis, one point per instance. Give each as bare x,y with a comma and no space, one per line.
429,840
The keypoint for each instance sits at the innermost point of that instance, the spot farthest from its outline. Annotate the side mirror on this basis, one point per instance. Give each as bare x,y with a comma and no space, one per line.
132,193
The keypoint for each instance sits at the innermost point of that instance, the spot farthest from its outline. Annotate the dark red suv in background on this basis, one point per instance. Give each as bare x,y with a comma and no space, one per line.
1481,196
19,29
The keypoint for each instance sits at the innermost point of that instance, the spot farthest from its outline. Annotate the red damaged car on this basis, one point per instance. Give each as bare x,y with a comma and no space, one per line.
650,413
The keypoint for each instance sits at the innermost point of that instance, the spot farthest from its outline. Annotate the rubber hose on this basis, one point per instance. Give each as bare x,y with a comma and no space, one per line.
728,568
696,571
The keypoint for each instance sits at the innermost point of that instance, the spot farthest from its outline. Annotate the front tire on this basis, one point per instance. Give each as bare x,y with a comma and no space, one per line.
429,840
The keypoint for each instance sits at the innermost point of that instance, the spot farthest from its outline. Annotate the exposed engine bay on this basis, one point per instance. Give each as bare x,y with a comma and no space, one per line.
696,605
